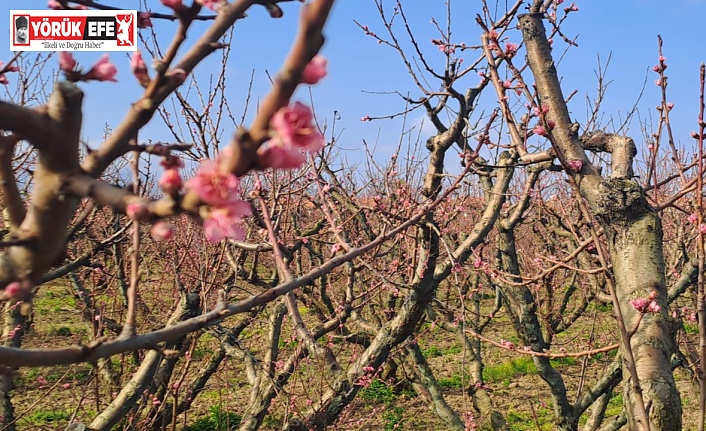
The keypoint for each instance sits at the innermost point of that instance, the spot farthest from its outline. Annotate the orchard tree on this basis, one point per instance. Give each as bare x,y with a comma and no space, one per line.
298,281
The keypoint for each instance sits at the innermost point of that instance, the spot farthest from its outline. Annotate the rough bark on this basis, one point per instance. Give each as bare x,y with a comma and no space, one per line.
13,329
523,310
144,376
446,413
634,235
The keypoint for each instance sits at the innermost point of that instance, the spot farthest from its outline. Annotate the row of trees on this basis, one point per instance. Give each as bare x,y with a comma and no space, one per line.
316,278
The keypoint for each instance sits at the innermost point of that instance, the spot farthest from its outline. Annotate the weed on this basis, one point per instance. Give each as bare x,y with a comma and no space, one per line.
435,352
43,417
615,405
432,352
691,328
218,420
394,419
453,382
378,391
562,362
508,370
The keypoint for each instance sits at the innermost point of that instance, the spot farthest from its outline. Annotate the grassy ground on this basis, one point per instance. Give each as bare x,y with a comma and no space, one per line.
46,399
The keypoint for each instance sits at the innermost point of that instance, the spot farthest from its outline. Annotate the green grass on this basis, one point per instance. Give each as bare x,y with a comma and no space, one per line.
563,362
435,351
516,367
525,420
453,382
54,300
615,405
378,391
43,417
394,419
691,328
218,420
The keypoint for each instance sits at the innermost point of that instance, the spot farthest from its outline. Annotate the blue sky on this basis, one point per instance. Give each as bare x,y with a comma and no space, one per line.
358,66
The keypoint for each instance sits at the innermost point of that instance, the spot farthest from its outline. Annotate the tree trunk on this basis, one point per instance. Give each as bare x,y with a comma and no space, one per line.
523,309
446,413
638,268
634,234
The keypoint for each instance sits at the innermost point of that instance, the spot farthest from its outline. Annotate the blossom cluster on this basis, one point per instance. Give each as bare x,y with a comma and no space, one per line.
293,130
293,134
102,70
647,305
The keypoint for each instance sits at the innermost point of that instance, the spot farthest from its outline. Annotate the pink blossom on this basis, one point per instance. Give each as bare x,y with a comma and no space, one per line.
67,62
54,4
366,118
658,82
137,210
575,164
225,222
541,110
144,20
640,304
662,59
693,218
176,5
103,70
492,34
653,307
213,186
294,127
507,83
280,157
66,385
336,248
14,290
510,48
539,130
211,4
315,70
645,305
3,79
170,182
656,68
507,344
670,106
702,228
139,68
478,262
162,231
294,133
